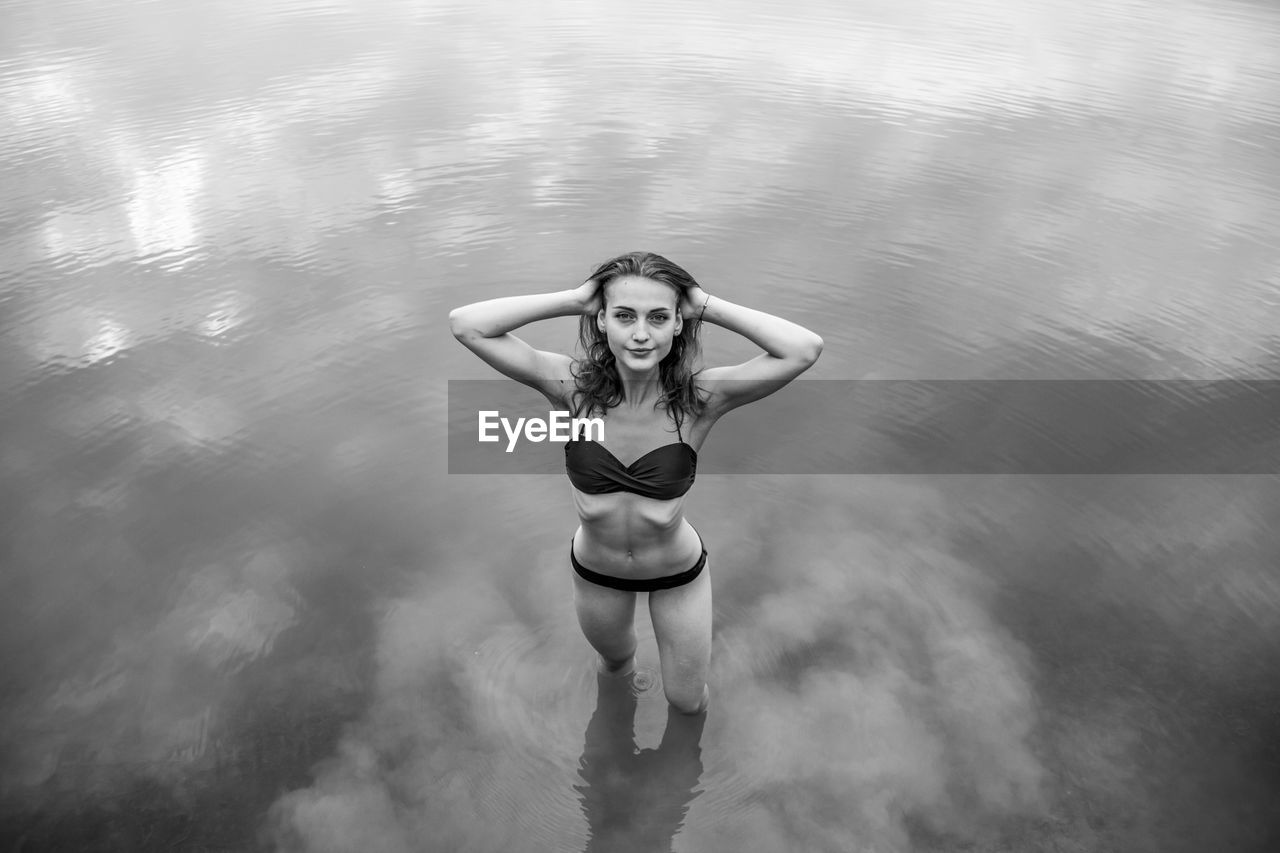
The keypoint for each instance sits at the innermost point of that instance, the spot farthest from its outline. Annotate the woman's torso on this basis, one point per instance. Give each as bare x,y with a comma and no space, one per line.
628,534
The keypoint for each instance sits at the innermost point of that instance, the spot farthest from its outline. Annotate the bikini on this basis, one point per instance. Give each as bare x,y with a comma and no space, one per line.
664,473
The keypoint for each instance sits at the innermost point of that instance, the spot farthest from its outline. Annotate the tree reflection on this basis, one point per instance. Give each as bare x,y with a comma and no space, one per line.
636,800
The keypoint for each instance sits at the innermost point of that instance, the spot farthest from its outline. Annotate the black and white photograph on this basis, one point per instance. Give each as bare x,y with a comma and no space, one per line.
640,427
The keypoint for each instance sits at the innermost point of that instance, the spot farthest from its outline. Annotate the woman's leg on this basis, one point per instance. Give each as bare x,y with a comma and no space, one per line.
607,617
682,627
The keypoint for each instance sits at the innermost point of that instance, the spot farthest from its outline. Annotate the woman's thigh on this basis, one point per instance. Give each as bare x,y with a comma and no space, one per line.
682,626
607,617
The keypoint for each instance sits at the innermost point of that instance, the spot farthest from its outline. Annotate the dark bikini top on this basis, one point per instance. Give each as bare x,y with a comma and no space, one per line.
663,473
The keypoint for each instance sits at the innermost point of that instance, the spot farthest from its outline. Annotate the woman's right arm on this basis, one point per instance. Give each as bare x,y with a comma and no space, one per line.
485,329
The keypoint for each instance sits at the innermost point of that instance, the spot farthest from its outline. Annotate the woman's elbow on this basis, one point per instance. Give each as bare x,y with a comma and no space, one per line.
458,324
812,350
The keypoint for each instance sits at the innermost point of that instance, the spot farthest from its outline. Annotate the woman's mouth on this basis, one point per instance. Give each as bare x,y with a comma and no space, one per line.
639,351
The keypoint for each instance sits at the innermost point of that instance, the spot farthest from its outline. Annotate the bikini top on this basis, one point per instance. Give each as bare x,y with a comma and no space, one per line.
663,473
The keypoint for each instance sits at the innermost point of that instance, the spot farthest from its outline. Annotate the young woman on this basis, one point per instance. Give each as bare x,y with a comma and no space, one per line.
639,335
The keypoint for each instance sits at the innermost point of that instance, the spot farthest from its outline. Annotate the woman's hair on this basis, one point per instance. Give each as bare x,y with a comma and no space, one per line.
598,386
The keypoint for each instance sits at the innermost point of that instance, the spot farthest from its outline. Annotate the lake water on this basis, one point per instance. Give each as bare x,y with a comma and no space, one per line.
246,607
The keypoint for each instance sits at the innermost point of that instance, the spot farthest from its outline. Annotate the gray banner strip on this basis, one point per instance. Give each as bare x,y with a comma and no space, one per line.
933,427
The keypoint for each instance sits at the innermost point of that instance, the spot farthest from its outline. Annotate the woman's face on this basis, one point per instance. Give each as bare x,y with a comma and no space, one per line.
640,320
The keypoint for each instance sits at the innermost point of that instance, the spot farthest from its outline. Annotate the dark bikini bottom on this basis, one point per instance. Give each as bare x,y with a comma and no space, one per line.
639,584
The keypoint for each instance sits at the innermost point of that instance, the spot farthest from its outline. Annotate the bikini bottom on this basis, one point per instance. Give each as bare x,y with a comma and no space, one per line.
640,584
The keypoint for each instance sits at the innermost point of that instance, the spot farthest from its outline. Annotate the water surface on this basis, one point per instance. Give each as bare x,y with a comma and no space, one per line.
246,608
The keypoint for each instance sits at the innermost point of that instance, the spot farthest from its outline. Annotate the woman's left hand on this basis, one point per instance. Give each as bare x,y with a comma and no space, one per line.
695,299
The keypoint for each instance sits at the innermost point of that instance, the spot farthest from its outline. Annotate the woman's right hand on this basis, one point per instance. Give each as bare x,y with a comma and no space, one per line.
693,303
590,296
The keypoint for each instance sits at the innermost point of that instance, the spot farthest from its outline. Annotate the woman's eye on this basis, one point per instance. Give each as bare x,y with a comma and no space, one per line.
659,318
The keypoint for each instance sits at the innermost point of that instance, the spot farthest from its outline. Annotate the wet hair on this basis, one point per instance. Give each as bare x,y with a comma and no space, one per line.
598,387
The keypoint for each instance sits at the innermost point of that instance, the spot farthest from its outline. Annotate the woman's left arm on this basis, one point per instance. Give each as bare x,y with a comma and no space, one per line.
789,350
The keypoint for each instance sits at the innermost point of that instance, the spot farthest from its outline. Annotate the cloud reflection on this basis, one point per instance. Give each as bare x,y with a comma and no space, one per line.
163,203
858,683
456,123
148,700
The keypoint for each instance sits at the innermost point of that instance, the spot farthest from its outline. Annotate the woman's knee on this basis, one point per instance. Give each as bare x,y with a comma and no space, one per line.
615,643
688,701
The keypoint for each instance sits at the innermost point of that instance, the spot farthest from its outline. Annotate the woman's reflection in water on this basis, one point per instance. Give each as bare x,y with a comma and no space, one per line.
636,800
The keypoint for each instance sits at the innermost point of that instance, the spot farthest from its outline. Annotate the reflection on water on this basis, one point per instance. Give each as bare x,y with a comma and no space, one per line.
636,800
245,607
